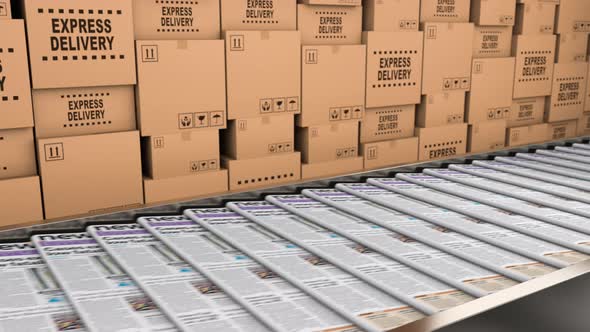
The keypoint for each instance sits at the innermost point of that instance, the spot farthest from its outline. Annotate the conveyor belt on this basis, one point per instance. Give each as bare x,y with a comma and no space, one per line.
408,249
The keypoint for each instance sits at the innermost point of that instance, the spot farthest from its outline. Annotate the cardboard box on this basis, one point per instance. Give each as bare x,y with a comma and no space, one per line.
333,84
24,205
573,16
5,10
332,2
185,187
269,171
331,168
180,86
493,12
263,73
158,20
394,68
444,11
442,142
527,135
258,15
17,153
15,87
182,154
76,43
492,83
328,142
587,102
391,15
492,42
535,55
441,109
563,130
388,123
526,112
448,50
390,153
84,111
90,174
330,25
259,137
567,98
486,136
572,47
584,125
535,17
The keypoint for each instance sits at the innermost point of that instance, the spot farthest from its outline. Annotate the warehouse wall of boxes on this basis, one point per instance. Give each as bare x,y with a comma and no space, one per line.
112,104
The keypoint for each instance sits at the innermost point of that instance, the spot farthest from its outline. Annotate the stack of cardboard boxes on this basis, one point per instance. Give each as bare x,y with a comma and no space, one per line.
181,97
20,193
534,49
564,109
393,82
488,103
262,51
333,87
83,71
448,53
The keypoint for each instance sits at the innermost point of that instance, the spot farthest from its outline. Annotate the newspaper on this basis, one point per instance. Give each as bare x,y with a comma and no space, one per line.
361,300
560,236
189,299
554,160
506,203
581,146
458,273
31,298
262,292
534,183
445,221
103,295
541,166
565,154
358,202
539,175
549,205
574,150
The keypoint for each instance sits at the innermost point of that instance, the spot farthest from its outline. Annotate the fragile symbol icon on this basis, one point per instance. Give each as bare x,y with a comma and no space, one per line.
265,105
185,120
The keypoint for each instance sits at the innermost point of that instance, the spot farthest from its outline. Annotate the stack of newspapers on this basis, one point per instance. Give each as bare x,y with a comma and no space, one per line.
368,256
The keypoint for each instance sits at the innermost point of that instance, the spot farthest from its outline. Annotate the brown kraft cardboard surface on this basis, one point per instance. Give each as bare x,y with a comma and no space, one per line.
333,84
535,55
89,174
572,47
5,10
391,15
263,73
492,42
493,12
441,109
535,17
567,97
24,205
328,142
390,153
76,43
490,98
17,153
526,135
526,112
563,130
185,187
448,50
572,16
394,68
388,123
259,137
258,15
444,10
263,172
190,19
84,111
331,168
442,142
182,154
180,86
15,88
486,136
330,25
